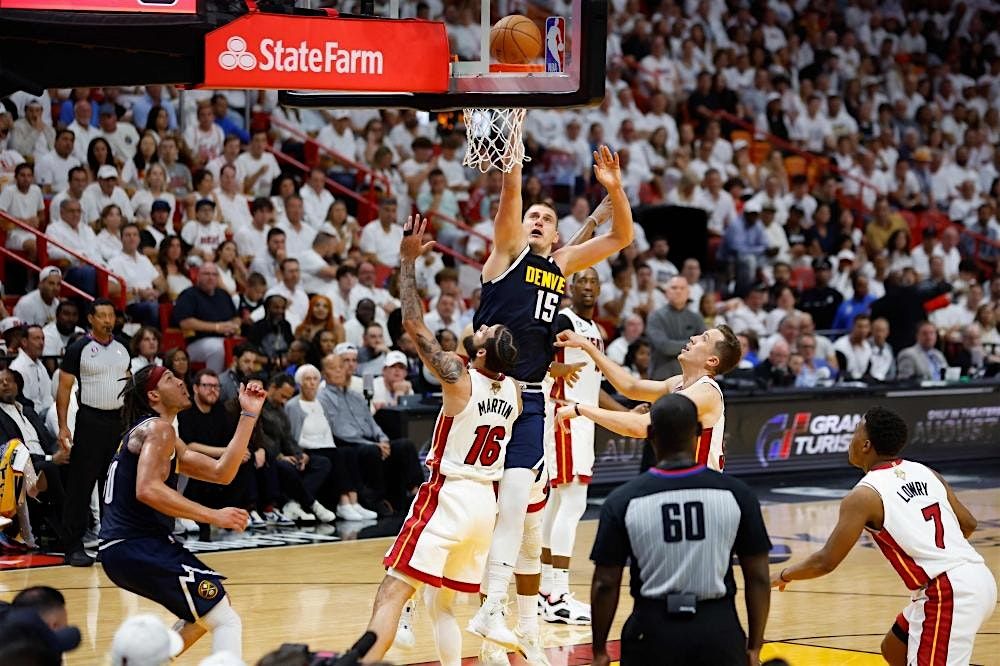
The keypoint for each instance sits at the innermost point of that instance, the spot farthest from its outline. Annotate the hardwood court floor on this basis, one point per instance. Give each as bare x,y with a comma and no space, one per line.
321,595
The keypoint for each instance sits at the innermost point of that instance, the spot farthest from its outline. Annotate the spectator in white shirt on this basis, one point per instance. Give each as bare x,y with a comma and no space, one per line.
121,136
812,129
205,138
109,238
231,147
259,165
251,240
722,209
37,385
143,281
288,287
233,208
392,383
856,349
632,329
318,274
58,332
105,192
77,186
52,168
750,315
204,233
71,232
380,238
663,268
572,223
83,131
155,190
268,263
39,306
882,366
440,205
444,316
23,200
366,288
299,235
338,138
658,69
316,198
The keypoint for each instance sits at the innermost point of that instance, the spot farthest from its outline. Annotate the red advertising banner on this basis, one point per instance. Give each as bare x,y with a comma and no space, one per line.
138,6
322,53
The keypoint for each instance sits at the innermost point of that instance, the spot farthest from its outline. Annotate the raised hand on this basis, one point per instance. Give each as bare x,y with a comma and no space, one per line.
602,213
252,397
607,169
567,371
571,339
779,582
412,245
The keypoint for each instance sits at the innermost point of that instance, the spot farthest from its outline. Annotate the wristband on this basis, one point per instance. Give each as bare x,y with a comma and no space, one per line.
48,457
781,576
250,414
576,408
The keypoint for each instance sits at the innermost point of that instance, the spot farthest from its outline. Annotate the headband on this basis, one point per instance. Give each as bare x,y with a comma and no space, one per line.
154,378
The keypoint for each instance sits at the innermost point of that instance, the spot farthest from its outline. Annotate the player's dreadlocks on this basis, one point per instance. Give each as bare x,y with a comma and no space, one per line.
134,394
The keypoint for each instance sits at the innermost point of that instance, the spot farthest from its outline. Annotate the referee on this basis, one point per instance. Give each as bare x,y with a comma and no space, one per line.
679,523
98,362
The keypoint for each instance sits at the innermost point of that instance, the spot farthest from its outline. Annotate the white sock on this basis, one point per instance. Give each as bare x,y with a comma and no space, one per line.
498,575
560,582
527,615
545,587
226,628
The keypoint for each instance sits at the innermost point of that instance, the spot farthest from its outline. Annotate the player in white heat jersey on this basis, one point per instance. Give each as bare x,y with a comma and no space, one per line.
922,528
446,537
705,357
569,453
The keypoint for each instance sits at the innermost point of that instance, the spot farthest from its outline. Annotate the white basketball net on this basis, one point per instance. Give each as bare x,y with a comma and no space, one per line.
494,139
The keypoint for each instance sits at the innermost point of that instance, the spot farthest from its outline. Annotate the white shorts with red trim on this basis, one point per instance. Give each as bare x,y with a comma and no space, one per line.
569,452
539,496
446,536
942,619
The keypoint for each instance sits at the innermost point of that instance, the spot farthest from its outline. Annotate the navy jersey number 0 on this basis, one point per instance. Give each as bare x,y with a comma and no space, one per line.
525,298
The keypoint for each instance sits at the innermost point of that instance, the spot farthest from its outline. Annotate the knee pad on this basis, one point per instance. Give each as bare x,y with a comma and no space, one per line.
222,615
529,557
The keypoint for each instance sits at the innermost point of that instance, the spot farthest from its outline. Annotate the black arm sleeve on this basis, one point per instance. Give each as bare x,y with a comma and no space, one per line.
563,323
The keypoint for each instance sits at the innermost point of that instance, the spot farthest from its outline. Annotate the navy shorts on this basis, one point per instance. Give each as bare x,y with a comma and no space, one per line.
163,571
525,449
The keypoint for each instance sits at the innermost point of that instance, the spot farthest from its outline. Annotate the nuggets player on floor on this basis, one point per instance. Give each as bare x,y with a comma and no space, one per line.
922,529
523,281
446,536
138,551
569,453
705,357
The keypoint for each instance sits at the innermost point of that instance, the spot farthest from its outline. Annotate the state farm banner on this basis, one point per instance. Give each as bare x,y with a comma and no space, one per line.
807,431
281,52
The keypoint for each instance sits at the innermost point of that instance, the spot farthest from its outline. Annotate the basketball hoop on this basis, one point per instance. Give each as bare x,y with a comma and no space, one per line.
494,139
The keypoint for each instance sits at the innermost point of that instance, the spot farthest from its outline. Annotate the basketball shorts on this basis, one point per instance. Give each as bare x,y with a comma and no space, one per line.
160,569
445,539
940,624
569,453
525,449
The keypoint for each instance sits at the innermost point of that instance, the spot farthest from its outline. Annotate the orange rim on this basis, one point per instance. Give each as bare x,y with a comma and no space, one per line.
505,67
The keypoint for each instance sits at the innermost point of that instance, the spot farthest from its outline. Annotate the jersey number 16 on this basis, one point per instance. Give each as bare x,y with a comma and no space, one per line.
486,447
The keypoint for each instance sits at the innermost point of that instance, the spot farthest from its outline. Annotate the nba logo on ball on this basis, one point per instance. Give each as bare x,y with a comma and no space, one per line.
555,44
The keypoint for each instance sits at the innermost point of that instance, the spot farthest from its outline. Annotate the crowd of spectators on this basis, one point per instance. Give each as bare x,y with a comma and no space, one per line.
875,262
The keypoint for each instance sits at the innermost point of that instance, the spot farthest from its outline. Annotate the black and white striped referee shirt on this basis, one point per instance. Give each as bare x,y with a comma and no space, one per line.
98,369
679,527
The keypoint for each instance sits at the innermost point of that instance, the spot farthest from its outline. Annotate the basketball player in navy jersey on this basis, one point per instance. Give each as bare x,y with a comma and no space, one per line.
523,281
141,501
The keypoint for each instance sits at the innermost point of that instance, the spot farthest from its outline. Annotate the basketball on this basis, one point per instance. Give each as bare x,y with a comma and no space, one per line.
515,40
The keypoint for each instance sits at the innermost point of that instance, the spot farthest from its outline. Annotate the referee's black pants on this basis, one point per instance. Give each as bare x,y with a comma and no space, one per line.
95,440
711,637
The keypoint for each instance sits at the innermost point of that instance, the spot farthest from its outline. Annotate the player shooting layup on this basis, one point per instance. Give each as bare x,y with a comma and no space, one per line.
138,550
523,282
446,537
706,356
922,528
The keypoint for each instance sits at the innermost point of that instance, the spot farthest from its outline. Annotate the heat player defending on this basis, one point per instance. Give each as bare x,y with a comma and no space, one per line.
446,536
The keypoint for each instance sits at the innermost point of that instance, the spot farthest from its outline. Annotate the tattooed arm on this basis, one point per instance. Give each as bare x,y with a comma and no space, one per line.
446,366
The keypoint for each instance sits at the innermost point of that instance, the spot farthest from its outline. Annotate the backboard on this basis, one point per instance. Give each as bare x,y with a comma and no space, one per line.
570,71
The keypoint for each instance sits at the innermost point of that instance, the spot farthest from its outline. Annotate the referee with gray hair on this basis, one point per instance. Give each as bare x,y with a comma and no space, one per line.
97,362
679,524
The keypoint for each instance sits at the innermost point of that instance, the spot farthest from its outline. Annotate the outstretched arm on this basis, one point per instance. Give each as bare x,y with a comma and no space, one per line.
629,423
573,258
862,505
223,469
446,366
593,221
155,442
508,233
643,390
